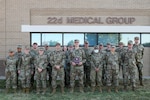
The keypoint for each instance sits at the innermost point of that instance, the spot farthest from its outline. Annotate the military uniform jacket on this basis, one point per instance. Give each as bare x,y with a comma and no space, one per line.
107,50
88,52
78,53
103,52
48,53
97,60
121,52
19,56
57,58
34,53
140,51
69,55
41,61
25,62
130,58
112,60
66,53
11,63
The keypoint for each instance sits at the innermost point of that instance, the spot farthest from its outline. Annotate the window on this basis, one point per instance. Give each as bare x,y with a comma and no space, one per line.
91,38
145,40
70,37
36,37
105,38
51,38
126,37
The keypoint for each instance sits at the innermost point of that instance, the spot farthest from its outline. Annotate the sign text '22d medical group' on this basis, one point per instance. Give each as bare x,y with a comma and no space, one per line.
91,20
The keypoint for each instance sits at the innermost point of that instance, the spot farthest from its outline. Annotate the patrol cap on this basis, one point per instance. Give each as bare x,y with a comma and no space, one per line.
86,42
101,44
96,47
70,45
120,43
57,43
19,46
41,49
46,45
130,42
113,46
27,47
108,43
136,38
11,50
76,40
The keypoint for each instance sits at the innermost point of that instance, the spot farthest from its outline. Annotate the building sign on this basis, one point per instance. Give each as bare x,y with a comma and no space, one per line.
89,17
91,20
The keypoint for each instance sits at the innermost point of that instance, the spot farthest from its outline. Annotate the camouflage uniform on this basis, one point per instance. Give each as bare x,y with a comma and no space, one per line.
41,62
10,72
87,66
18,55
139,60
112,70
57,59
103,52
108,49
121,51
66,67
130,67
34,53
77,70
49,67
25,71
97,62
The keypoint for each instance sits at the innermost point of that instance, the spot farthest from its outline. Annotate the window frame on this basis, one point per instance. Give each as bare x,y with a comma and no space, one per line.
62,44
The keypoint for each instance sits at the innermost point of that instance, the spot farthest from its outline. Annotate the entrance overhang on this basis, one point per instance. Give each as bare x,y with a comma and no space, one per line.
103,29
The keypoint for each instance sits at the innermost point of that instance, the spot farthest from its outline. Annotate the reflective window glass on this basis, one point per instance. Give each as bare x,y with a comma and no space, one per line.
126,37
70,37
51,38
36,37
145,40
113,38
91,38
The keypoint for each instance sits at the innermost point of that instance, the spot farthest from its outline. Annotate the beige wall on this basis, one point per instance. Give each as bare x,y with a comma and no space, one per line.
14,13
146,60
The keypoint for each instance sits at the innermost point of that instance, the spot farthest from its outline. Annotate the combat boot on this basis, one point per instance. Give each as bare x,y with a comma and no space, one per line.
54,91
62,90
100,90
108,89
14,90
116,89
141,83
125,87
38,91
24,90
27,90
71,90
81,90
93,89
44,91
7,90
133,88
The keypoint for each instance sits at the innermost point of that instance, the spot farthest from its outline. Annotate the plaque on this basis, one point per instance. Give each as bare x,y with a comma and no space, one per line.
76,60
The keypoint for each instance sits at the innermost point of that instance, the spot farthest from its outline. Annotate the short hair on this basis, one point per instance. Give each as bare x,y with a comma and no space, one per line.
34,43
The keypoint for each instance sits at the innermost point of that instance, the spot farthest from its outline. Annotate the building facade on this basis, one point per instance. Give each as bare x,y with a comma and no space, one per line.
16,13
